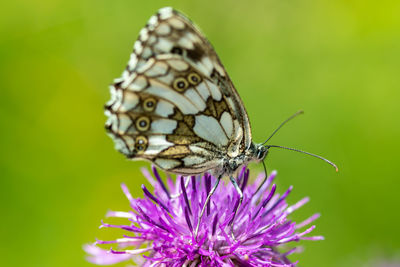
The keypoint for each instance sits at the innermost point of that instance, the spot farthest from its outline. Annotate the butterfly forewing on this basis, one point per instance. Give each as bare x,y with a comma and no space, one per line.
174,104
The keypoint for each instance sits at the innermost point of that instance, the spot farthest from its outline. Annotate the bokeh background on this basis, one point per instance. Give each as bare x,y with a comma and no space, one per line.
337,60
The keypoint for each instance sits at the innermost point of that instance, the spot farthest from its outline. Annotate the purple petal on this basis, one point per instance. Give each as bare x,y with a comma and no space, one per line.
160,181
185,195
147,193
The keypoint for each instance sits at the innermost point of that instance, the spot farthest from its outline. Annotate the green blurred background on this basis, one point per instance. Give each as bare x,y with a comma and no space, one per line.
337,60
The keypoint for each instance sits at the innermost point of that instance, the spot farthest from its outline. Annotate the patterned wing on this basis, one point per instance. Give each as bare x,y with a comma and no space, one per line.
174,104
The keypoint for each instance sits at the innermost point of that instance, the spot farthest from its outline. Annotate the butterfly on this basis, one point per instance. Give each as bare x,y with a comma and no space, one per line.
176,106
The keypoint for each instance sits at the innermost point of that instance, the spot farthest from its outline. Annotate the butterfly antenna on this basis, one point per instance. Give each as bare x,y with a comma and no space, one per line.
308,153
283,123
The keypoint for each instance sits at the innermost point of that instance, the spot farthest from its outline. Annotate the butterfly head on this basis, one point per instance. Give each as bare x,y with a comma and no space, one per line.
259,152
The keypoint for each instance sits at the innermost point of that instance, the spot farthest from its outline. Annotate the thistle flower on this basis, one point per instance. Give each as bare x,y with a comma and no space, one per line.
160,228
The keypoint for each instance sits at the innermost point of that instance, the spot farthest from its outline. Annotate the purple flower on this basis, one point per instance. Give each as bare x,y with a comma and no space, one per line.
160,226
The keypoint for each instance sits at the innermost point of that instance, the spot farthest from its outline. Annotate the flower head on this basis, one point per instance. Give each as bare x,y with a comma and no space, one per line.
160,229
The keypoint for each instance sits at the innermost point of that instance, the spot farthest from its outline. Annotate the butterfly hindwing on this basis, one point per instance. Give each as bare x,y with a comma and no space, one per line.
175,104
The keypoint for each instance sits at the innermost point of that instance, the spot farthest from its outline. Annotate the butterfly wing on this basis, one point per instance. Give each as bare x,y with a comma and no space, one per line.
175,104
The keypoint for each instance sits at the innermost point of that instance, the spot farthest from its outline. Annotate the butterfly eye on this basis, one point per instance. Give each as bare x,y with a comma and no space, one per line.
149,104
194,78
143,123
141,143
180,84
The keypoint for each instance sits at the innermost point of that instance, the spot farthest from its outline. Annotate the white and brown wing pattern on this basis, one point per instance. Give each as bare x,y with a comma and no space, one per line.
174,104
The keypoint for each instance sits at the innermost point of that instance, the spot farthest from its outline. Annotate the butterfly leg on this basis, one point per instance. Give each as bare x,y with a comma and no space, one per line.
265,179
237,187
205,204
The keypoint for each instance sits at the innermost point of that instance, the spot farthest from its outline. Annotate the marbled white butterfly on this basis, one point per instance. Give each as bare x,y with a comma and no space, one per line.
176,106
